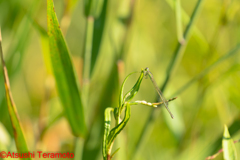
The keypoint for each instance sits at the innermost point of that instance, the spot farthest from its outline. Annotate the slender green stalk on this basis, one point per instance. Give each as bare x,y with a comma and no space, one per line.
87,58
179,21
185,20
208,69
171,69
78,148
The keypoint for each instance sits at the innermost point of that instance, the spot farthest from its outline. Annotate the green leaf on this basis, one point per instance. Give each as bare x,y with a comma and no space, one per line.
17,129
116,130
64,74
229,150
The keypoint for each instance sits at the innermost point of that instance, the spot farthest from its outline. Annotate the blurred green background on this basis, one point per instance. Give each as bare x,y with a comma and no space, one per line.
129,35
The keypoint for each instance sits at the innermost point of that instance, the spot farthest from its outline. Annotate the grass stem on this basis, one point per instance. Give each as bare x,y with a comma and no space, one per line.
87,58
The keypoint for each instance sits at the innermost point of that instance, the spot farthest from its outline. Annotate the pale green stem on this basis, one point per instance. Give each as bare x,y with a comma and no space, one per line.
78,148
179,22
87,58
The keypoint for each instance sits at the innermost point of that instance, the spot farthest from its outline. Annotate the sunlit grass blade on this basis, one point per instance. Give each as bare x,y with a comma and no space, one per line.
220,151
87,58
93,10
20,142
65,78
179,21
121,90
231,53
185,20
19,42
130,94
229,150
233,129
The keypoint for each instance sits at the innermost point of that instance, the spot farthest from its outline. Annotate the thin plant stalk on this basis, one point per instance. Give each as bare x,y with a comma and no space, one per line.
178,54
179,21
87,58
208,69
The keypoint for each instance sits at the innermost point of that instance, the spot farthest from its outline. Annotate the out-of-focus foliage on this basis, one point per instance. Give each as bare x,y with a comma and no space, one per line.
127,36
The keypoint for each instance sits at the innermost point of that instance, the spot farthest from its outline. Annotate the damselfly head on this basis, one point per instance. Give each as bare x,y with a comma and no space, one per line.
146,70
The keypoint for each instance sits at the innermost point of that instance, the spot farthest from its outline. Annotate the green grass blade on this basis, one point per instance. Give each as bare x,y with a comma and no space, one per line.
178,54
229,150
121,90
233,128
130,94
98,35
116,130
17,129
179,21
185,19
231,53
87,58
64,74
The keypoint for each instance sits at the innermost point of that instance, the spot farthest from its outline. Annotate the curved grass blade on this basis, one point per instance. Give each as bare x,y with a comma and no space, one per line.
20,142
121,90
64,74
130,94
229,150
116,130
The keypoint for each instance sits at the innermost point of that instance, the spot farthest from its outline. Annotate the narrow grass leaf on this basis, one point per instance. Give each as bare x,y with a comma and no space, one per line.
20,142
130,94
231,53
87,58
229,150
233,128
185,19
121,90
64,74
